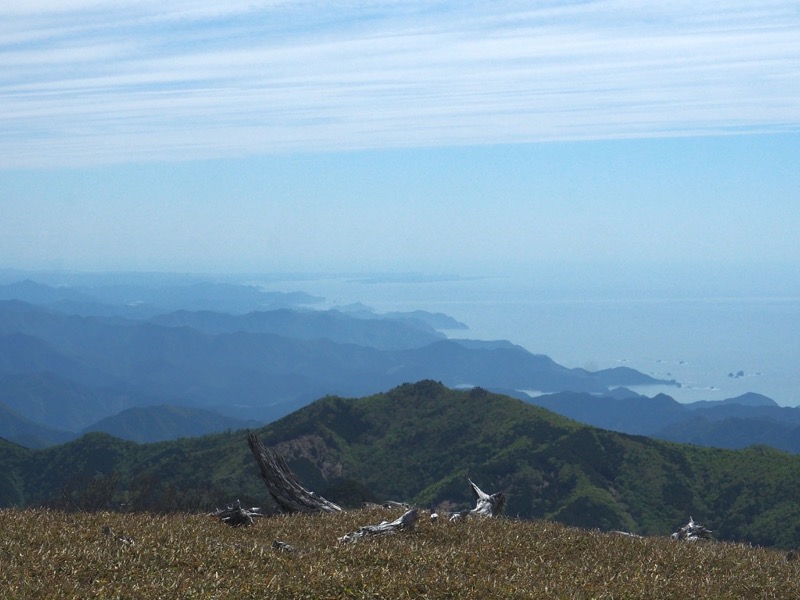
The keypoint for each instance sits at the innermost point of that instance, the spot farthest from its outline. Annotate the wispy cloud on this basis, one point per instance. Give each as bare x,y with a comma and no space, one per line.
83,82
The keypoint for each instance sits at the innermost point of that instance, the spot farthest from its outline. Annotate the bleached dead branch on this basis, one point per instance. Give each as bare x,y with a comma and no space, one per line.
487,505
406,522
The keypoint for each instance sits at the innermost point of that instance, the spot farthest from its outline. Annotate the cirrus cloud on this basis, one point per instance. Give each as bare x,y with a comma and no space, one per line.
85,82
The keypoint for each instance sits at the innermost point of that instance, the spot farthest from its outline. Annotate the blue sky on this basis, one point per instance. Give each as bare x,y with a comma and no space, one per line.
397,135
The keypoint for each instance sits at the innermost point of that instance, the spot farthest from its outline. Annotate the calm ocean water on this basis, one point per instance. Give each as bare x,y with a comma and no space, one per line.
716,345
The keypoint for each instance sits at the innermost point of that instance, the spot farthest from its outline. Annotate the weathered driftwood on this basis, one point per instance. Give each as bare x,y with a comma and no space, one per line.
283,546
387,504
691,532
283,485
119,537
406,522
487,505
627,534
237,516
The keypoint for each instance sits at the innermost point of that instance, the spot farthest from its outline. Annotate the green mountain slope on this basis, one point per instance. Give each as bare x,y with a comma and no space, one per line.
98,471
419,443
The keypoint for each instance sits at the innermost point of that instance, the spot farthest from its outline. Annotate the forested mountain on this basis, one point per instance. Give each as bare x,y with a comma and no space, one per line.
419,443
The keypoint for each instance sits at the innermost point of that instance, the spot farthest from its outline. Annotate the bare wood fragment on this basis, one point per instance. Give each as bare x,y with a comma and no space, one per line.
406,522
691,532
283,485
487,505
627,534
283,546
237,516
119,537
387,504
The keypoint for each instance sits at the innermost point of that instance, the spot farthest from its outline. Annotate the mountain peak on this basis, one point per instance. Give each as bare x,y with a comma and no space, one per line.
751,399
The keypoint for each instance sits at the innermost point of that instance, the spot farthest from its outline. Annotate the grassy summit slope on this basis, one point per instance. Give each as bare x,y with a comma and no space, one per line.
51,554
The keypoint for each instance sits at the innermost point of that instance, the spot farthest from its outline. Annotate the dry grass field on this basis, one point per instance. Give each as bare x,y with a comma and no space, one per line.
48,554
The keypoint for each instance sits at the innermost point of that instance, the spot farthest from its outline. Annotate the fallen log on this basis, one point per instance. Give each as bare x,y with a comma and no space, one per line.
406,522
283,485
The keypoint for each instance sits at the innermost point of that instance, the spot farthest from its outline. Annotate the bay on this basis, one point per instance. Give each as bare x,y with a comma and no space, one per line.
717,345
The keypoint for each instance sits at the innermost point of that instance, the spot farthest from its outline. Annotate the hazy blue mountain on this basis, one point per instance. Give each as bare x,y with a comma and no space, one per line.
202,295
58,402
125,296
621,393
784,414
39,293
79,351
160,423
264,376
388,334
489,365
25,432
639,415
731,423
734,432
748,399
21,353
437,321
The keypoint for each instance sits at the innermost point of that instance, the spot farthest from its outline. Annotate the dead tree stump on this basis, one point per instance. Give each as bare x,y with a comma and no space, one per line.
283,485
487,505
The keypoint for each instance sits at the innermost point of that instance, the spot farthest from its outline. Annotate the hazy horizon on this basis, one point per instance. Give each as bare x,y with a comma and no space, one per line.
640,280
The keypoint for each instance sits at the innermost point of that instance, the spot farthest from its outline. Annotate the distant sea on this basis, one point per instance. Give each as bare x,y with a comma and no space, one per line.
718,341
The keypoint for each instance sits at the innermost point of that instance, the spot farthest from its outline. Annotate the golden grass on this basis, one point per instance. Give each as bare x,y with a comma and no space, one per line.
50,554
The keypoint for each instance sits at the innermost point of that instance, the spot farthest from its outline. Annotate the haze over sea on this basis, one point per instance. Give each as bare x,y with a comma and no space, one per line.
718,332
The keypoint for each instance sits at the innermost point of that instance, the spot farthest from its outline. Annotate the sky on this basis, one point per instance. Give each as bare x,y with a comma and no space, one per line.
397,135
